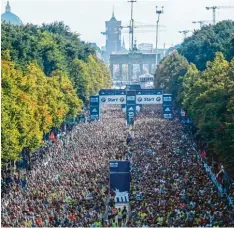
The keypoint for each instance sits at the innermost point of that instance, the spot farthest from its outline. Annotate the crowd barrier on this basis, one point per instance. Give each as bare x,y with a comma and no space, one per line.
214,180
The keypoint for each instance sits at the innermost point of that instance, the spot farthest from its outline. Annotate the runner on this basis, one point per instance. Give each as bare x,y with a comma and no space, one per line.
68,185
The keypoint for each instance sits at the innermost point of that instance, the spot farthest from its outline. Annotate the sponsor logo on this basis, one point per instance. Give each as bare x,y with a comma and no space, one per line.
103,99
158,99
121,99
139,99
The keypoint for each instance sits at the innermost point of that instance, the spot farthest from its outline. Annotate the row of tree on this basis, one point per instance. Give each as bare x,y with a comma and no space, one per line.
48,75
206,95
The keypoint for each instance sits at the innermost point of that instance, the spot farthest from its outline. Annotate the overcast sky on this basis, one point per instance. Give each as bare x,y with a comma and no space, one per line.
88,17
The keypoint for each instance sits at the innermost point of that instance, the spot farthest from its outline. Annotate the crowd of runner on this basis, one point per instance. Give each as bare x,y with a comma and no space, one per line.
169,183
68,186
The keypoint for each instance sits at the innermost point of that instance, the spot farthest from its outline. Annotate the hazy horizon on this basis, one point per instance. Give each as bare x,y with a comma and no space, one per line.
88,17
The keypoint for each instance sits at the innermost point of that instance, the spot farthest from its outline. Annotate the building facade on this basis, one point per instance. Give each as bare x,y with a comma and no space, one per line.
113,37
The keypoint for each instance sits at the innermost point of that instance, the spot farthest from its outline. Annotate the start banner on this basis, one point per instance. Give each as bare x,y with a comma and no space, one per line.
112,99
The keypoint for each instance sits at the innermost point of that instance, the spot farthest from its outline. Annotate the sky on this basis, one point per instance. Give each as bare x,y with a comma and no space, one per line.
88,17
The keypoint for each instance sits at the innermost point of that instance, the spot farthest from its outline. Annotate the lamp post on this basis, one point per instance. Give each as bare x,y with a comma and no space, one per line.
132,32
132,24
159,12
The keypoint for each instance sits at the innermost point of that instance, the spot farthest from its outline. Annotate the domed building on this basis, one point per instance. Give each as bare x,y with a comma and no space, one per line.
9,17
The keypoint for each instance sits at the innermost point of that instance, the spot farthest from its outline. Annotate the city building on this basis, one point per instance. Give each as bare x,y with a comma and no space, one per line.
113,37
10,17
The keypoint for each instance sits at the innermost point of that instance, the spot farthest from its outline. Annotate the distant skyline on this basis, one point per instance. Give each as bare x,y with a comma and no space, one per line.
88,17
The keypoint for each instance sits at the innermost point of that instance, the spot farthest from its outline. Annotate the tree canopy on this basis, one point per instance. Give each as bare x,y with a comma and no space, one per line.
204,43
48,74
202,83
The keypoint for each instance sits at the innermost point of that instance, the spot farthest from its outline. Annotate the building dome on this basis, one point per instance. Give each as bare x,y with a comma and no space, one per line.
9,17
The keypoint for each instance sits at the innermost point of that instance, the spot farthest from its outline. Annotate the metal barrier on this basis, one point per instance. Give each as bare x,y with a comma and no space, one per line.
213,178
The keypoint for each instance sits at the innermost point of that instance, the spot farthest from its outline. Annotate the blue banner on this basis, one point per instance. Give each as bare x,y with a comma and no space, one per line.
94,108
112,92
167,99
133,87
130,113
149,96
130,106
149,92
120,180
167,106
184,119
112,96
167,112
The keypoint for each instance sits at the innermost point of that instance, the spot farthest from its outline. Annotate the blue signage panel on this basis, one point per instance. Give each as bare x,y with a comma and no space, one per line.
130,106
167,99
112,92
184,119
112,96
120,180
130,113
149,92
94,100
133,87
149,96
131,97
167,112
94,108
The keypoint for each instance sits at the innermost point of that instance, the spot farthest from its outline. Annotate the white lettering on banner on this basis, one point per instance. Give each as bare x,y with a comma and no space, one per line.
114,165
130,98
112,99
167,116
94,99
167,109
94,116
149,99
166,98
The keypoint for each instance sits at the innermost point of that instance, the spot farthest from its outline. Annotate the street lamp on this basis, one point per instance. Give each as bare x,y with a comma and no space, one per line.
159,12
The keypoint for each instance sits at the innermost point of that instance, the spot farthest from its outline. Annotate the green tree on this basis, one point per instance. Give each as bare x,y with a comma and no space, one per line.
208,98
169,75
203,44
